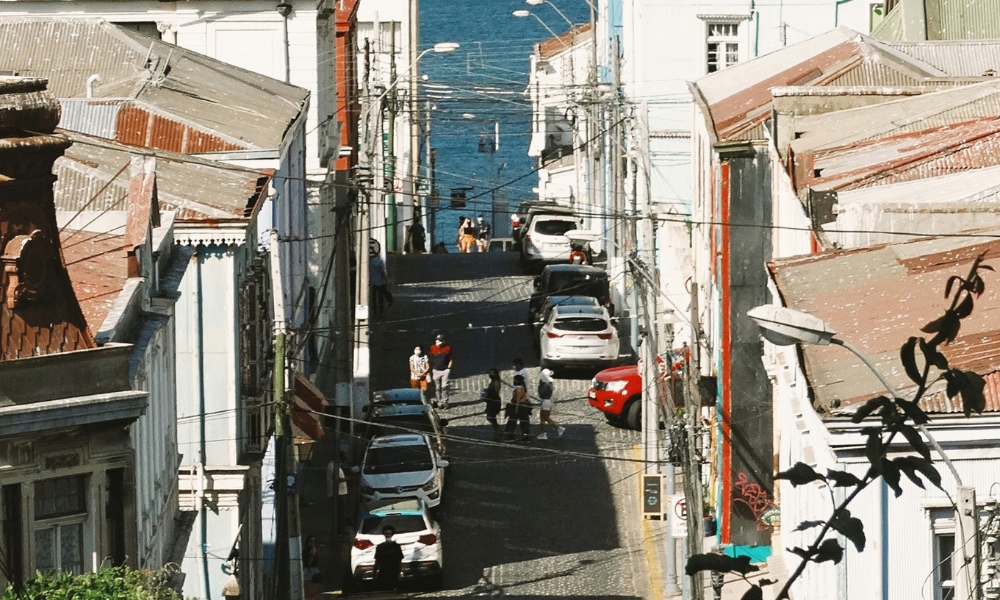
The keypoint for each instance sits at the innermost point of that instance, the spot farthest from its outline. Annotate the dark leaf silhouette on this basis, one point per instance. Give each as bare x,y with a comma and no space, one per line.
866,409
809,525
912,411
754,593
964,307
890,473
907,354
800,474
916,442
829,550
932,356
842,479
911,465
873,447
720,563
849,527
803,552
951,280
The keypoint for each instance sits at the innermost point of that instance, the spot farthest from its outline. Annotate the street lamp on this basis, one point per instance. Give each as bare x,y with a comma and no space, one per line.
520,14
554,7
784,326
439,48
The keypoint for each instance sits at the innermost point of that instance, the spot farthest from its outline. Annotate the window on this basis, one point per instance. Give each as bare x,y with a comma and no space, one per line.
60,511
723,46
944,577
875,15
144,27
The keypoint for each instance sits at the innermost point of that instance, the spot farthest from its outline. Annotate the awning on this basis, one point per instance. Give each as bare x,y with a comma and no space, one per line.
308,407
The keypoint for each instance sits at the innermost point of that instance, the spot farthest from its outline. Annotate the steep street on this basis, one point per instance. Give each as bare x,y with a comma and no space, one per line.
554,518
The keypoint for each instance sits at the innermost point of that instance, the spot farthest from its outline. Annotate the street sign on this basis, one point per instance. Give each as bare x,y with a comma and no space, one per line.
678,516
374,247
397,184
423,187
652,496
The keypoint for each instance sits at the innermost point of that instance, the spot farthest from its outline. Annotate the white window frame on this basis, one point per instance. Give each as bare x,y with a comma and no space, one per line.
724,44
55,523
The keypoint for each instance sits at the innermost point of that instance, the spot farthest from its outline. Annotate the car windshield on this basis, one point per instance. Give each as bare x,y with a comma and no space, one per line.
552,227
574,283
373,524
581,324
398,459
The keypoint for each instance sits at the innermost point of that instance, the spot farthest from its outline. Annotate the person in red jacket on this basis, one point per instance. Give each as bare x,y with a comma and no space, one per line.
440,370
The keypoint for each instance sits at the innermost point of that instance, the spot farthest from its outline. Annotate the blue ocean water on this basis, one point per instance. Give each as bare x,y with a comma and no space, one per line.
473,88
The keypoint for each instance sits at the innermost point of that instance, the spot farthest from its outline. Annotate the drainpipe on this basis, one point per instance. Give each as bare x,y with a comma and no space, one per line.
202,450
95,78
284,9
836,12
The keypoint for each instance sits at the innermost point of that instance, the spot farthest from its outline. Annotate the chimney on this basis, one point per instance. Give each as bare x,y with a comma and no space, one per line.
143,211
39,313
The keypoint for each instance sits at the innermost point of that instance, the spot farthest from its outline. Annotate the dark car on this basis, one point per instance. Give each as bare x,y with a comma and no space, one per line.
570,280
394,419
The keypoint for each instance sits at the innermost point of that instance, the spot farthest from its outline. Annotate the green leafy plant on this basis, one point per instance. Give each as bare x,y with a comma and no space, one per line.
111,583
889,418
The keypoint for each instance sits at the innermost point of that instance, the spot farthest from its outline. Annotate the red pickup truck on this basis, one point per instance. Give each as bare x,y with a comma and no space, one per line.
617,392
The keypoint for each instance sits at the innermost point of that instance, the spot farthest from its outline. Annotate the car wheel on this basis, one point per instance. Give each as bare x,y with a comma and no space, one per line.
633,413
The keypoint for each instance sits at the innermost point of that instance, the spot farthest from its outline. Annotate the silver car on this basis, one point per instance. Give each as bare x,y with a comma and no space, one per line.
578,336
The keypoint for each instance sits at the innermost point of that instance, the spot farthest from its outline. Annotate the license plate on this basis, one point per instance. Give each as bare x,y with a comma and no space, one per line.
592,395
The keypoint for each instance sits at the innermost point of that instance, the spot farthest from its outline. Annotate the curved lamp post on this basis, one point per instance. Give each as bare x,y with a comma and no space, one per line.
520,14
440,48
554,7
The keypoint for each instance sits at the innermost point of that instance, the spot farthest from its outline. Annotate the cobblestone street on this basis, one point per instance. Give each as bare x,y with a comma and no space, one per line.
554,519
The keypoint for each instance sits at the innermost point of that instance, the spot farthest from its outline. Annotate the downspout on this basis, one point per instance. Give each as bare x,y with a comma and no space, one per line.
95,78
284,9
836,12
202,450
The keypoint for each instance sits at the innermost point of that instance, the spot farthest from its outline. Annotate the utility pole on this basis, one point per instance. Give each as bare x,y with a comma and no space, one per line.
282,567
967,554
414,107
364,228
390,161
427,174
692,442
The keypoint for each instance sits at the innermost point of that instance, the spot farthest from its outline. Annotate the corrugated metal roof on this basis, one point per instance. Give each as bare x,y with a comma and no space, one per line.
972,58
739,98
197,189
886,160
194,92
891,27
876,299
972,185
965,19
913,113
561,43
93,117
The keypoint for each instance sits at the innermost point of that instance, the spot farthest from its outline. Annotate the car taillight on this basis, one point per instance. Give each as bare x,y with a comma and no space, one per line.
604,336
427,539
361,544
553,335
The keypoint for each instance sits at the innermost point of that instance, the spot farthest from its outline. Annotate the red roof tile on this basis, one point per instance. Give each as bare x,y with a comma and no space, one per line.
98,271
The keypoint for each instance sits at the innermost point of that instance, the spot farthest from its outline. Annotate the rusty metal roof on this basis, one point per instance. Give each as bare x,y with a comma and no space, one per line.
973,58
174,92
197,189
97,269
561,43
738,98
876,299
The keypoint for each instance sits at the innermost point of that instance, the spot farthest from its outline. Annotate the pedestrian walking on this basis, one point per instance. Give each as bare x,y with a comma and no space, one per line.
491,395
520,370
466,236
545,390
378,275
388,558
419,368
518,411
440,370
483,237
336,491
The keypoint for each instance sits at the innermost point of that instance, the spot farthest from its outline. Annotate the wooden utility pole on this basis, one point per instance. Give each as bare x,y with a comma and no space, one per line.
414,107
692,441
390,149
282,568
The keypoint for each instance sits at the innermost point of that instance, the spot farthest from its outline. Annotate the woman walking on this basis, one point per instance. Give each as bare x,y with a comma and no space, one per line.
545,413
518,410
491,395
466,236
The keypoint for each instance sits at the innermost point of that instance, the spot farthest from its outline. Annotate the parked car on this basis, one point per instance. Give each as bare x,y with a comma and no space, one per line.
396,396
408,418
544,239
416,532
519,218
570,280
617,392
549,303
402,466
580,336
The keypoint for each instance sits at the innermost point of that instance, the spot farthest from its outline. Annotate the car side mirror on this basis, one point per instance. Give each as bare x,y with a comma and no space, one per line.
537,282
443,422
443,463
355,470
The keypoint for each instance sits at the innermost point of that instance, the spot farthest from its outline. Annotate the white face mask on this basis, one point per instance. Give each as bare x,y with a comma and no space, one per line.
417,352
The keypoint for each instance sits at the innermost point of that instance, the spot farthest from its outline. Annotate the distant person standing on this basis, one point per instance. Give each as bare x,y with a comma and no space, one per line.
577,256
518,411
379,277
520,370
545,390
419,368
440,370
336,490
491,396
483,241
466,236
439,248
417,236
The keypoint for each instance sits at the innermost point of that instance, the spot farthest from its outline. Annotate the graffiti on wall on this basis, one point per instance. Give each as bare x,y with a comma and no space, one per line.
755,498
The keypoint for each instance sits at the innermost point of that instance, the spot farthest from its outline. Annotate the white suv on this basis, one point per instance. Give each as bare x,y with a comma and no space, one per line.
402,466
578,336
546,239
416,532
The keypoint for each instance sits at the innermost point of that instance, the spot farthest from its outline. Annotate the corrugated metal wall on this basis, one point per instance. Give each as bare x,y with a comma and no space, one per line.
93,117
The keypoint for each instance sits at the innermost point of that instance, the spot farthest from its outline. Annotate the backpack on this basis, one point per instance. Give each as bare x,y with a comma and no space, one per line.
544,390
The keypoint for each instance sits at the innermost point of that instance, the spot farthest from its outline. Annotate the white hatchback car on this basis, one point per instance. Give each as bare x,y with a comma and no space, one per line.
416,532
402,466
578,336
545,240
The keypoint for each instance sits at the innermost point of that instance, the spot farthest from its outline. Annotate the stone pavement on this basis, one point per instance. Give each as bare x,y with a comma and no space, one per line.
552,519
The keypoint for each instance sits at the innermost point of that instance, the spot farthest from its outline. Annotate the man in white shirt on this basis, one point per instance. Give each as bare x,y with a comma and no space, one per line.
520,370
336,482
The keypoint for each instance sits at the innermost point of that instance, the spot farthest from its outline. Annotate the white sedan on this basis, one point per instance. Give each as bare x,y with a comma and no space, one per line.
416,532
578,336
